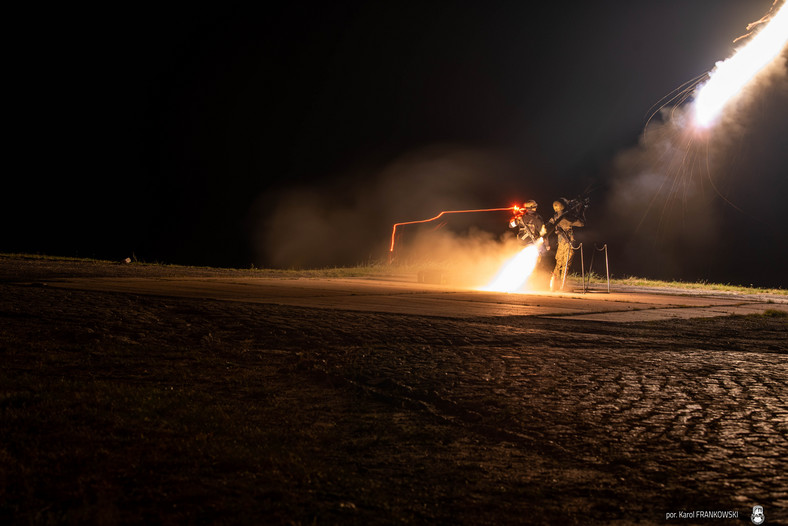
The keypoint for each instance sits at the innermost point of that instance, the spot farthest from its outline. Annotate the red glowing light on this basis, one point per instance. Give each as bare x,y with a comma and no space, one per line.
394,229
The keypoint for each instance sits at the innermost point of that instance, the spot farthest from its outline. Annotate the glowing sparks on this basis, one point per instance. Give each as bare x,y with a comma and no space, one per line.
731,75
515,272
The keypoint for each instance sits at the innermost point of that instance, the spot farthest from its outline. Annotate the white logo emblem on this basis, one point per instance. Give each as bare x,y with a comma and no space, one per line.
757,515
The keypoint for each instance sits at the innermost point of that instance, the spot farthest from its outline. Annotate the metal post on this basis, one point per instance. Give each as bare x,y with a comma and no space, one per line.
582,268
607,269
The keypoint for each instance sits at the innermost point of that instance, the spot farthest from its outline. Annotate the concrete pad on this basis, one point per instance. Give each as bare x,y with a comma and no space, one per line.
402,297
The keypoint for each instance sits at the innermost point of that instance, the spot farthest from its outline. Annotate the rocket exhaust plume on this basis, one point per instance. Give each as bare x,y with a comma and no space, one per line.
510,272
730,76
516,271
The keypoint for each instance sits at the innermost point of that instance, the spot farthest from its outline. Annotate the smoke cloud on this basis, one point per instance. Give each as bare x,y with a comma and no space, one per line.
348,221
683,204
700,204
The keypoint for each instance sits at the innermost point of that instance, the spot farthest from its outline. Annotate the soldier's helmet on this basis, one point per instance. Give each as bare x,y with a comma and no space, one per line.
530,205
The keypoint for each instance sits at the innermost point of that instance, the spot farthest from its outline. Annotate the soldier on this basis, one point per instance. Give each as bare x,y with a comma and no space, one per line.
530,224
564,220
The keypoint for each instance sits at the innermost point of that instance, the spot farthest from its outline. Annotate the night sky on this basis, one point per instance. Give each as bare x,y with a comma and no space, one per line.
295,135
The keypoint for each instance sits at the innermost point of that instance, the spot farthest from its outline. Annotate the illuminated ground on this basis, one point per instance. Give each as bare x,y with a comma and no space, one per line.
405,295
130,395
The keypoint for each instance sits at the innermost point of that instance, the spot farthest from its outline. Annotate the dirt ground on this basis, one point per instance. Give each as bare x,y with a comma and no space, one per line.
123,408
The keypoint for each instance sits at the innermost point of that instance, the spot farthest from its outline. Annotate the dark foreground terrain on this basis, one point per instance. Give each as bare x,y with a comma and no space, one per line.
121,408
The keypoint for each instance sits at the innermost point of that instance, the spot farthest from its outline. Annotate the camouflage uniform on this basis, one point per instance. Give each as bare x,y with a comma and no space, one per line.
563,256
530,226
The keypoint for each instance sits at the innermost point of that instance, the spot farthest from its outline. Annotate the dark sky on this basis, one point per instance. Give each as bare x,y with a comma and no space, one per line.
178,133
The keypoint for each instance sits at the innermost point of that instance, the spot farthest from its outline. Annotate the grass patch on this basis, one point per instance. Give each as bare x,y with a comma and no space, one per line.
381,269
366,270
633,281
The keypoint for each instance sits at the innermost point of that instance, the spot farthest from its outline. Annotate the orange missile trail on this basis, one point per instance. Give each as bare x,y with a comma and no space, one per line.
394,230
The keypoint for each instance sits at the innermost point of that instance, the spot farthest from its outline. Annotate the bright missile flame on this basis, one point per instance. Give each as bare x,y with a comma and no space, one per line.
515,272
730,76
